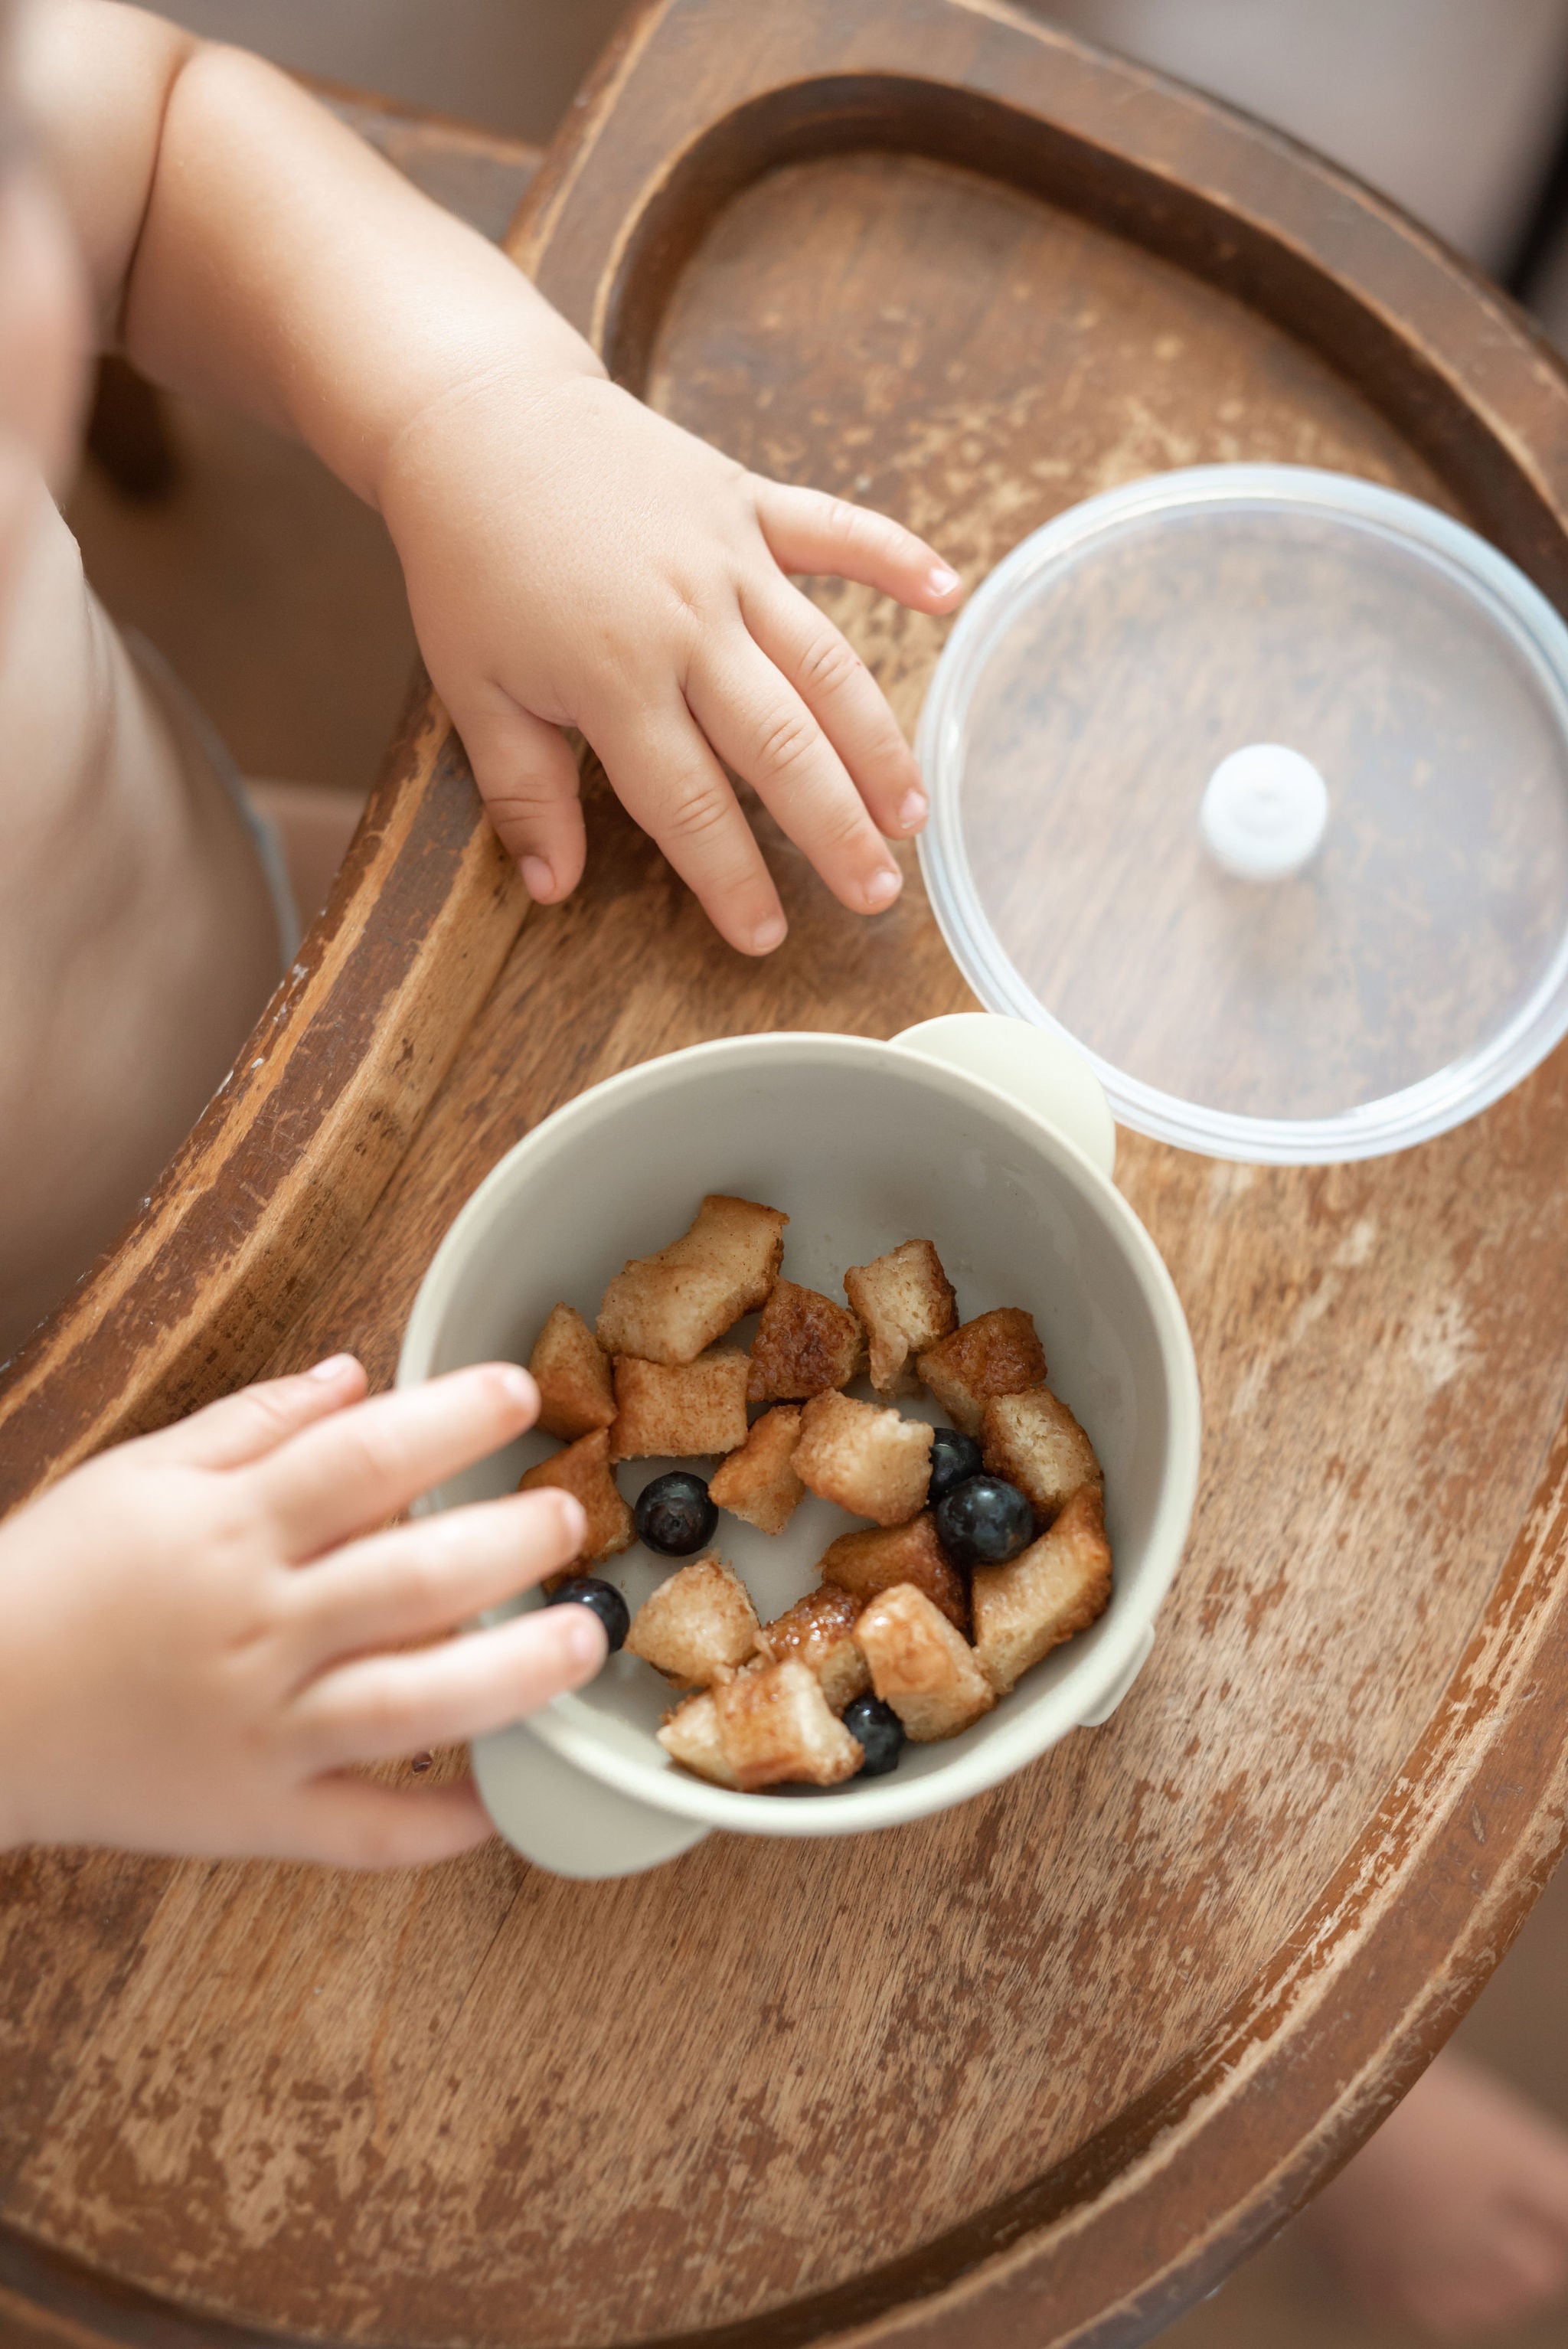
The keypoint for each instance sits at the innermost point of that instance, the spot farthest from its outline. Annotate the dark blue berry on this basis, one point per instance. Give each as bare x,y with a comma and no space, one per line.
955,1458
601,1599
876,1727
674,1513
983,1522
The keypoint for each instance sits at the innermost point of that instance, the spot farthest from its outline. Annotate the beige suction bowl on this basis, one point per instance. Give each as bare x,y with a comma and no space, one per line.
991,1138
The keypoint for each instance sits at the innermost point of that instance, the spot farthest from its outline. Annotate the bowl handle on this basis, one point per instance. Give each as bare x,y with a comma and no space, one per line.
1039,1067
565,1821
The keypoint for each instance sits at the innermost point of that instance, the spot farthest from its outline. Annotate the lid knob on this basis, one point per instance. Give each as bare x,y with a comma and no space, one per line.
1264,811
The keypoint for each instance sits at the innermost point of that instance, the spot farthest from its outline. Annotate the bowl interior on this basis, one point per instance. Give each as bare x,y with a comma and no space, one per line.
862,1146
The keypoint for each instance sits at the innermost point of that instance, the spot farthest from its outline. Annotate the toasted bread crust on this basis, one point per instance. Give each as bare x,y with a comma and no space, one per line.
818,1633
670,1307
776,1730
921,1666
674,1410
869,1563
757,1481
1056,1588
870,1460
572,1371
906,1303
1033,1440
995,1354
696,1626
584,1469
805,1345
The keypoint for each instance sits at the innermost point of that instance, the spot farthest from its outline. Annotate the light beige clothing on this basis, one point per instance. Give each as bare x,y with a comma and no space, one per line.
139,936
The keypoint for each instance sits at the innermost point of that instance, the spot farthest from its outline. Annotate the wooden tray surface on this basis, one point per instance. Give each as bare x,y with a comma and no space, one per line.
1042,2069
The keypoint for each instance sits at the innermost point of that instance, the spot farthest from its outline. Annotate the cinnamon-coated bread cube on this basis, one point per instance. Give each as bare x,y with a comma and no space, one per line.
995,1354
1058,1586
572,1371
775,1729
871,1461
805,1345
757,1481
584,1469
905,1301
921,1666
677,1409
819,1632
869,1563
690,1736
668,1307
1034,1440
696,1626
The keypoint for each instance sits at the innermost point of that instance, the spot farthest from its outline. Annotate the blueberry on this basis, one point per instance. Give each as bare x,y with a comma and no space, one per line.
983,1522
674,1513
955,1458
601,1599
878,1728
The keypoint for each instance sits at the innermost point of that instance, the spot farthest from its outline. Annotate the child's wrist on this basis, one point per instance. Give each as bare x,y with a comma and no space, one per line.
533,370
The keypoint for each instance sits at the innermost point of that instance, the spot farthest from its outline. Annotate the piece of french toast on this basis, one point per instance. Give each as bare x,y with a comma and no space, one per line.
871,1461
1033,1440
679,1407
572,1371
757,1481
921,1666
696,1626
669,1306
905,1302
690,1736
775,1729
995,1354
819,1630
1056,1588
583,1470
805,1345
866,1564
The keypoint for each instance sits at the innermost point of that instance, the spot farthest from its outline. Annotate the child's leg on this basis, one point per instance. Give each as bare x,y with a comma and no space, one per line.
1455,2216
139,938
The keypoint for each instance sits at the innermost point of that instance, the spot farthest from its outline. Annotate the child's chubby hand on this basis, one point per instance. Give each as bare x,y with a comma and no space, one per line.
202,1631
574,559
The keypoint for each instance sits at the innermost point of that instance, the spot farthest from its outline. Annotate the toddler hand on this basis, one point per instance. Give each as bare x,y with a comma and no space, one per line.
201,1631
574,559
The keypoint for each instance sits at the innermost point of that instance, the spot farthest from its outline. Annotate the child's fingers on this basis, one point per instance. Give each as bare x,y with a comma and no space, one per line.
759,723
527,772
424,1577
246,1426
847,701
808,530
380,1706
665,775
350,1823
339,1480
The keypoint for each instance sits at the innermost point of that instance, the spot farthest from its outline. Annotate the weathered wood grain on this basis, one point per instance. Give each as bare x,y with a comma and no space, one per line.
1041,2069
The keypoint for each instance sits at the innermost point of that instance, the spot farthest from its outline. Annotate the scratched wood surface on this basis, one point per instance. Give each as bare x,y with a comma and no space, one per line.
1041,2069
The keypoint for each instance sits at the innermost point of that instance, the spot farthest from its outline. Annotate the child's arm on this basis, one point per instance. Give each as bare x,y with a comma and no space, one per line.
571,557
201,1632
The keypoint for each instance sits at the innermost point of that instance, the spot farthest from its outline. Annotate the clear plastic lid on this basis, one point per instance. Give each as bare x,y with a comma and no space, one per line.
1255,781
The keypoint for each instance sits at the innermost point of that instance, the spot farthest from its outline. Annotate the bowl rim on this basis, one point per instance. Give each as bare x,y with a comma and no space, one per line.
566,1724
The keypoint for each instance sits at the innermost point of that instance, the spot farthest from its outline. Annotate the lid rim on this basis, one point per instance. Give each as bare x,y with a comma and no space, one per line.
1434,1103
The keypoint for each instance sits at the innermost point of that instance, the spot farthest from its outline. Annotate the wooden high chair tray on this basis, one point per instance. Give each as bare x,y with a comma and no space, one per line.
1043,2069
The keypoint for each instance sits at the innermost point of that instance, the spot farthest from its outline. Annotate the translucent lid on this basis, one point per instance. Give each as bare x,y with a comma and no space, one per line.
1254,780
